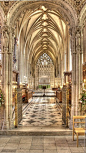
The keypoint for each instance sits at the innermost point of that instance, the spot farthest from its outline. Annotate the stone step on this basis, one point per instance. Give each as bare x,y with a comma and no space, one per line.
37,133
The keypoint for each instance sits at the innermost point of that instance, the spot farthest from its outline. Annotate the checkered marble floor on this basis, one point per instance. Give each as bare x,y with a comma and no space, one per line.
42,111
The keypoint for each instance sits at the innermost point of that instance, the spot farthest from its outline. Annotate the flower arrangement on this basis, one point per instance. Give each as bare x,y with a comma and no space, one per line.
83,102
83,97
1,97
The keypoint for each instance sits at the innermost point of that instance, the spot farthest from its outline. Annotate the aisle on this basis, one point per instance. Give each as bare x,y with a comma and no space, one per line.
42,111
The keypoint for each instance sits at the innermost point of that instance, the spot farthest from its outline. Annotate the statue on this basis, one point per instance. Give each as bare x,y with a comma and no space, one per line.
78,39
6,39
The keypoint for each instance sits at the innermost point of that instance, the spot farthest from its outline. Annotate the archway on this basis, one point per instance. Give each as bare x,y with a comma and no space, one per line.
36,30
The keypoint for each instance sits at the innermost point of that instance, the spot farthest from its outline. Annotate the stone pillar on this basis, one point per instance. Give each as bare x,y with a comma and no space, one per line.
7,74
78,66
84,43
65,63
22,67
59,65
76,69
10,78
34,75
27,68
81,62
68,54
73,100
17,47
62,69
28,71
35,78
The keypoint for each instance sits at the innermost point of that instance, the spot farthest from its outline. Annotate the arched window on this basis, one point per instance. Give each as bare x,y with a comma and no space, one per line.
44,60
45,65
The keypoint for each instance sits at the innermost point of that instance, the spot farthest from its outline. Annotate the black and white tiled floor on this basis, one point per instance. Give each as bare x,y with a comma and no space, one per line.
42,111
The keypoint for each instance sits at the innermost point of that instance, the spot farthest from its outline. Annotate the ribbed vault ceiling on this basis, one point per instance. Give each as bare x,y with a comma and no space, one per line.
44,31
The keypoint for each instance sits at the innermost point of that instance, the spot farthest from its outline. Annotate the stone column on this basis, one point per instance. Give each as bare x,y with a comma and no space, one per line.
65,62
19,63
81,61
62,69
78,66
73,99
76,70
34,75
59,65
10,78
68,54
35,78
27,68
84,43
22,67
28,72
5,73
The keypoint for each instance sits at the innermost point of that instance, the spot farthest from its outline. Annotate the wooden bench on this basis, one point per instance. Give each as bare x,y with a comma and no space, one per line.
79,130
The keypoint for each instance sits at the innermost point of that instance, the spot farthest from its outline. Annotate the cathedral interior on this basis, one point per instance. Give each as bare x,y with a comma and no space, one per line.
42,63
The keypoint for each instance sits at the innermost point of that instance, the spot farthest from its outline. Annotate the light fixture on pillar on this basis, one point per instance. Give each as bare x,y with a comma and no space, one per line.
84,86
84,80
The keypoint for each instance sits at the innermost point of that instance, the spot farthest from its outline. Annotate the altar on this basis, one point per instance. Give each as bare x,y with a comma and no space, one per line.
44,81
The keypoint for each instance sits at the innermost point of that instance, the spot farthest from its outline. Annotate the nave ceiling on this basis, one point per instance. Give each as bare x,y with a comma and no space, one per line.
44,29
43,25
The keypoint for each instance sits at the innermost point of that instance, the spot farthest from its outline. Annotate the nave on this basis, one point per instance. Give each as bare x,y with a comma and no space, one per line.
42,111
42,45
